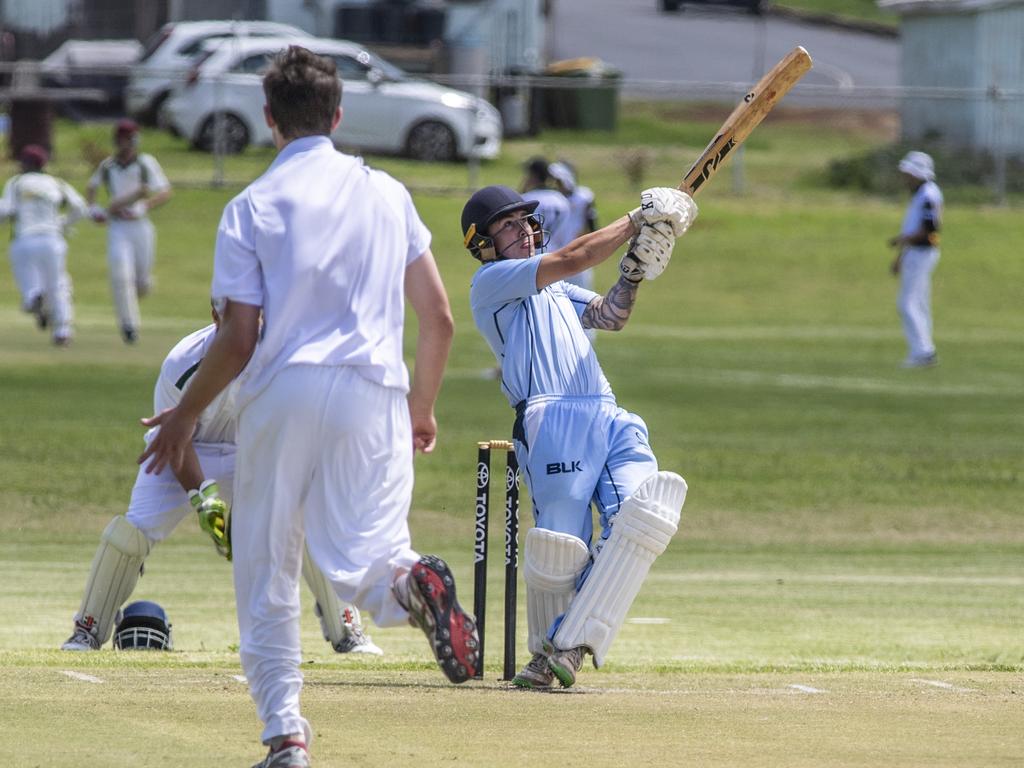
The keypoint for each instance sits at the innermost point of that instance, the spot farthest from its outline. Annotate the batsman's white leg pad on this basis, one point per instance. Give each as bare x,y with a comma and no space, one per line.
113,576
641,531
328,605
551,563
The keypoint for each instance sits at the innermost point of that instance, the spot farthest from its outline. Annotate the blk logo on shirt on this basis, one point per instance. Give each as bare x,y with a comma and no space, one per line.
562,468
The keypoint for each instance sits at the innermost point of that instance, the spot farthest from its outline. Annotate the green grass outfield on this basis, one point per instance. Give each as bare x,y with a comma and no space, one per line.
847,586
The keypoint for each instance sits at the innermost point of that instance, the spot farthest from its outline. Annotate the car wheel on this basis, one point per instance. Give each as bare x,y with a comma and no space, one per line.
151,114
234,135
431,141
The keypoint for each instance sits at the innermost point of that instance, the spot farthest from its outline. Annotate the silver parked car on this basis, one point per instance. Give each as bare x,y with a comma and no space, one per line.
385,110
169,54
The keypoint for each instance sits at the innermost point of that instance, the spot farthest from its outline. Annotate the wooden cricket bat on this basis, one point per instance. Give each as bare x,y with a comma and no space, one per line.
747,115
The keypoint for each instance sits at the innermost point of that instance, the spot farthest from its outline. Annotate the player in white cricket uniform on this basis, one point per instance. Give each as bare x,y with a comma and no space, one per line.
552,206
330,250
135,184
159,502
582,211
576,447
918,254
582,219
35,201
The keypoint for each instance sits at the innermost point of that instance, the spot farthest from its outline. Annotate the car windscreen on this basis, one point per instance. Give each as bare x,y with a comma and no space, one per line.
154,42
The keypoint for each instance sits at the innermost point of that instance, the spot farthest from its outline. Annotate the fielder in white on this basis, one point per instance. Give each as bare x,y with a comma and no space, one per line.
135,185
917,256
582,219
159,502
575,446
330,250
42,207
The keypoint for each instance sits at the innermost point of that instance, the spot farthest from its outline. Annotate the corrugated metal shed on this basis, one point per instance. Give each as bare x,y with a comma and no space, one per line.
965,60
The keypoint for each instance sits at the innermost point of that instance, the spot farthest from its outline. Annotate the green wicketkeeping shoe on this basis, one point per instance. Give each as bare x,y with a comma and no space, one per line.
535,675
564,663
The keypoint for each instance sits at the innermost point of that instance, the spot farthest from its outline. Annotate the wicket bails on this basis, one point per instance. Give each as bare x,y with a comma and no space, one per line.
483,504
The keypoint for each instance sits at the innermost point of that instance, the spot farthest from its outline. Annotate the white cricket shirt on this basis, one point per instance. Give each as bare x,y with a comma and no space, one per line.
321,242
581,210
924,210
121,180
217,422
554,208
35,201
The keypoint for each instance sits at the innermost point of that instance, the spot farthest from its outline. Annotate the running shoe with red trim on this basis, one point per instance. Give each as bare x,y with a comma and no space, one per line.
433,608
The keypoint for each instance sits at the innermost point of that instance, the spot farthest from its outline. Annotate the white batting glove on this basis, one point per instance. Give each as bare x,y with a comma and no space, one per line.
665,204
649,252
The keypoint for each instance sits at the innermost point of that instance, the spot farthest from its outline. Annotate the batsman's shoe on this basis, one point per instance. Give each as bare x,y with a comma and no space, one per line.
291,754
429,592
564,663
83,639
355,641
536,674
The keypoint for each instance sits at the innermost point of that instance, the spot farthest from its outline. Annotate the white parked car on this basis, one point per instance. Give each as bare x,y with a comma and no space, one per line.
169,54
385,109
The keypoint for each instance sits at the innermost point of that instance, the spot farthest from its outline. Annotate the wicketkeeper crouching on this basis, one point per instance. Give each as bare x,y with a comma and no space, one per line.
160,501
575,445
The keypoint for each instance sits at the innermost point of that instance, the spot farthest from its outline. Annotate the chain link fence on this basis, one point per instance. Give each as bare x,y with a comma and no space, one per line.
984,124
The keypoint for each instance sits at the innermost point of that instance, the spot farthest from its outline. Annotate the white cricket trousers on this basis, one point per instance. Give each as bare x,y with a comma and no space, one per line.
915,299
39,263
131,249
324,456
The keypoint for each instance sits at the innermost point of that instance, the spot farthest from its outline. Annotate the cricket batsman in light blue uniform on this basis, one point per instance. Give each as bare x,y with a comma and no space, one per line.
575,445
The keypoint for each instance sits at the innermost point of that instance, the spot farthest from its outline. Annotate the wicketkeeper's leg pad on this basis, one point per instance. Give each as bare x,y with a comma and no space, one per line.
641,531
328,606
113,576
551,564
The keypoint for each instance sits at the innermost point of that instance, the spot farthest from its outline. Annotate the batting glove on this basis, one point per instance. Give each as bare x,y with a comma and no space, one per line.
213,515
649,253
665,204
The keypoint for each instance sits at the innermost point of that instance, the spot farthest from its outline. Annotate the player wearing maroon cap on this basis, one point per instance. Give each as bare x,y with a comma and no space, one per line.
135,184
34,201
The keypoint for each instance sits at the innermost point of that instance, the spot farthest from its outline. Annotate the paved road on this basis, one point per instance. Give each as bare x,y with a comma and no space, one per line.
719,45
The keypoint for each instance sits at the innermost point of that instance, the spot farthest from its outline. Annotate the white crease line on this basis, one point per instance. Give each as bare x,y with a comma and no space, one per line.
241,679
806,688
941,684
80,676
648,620
841,578
806,333
792,381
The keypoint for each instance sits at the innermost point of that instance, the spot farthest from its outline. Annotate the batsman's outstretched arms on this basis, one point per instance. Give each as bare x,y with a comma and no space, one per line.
584,252
428,299
647,258
649,253
665,204
230,351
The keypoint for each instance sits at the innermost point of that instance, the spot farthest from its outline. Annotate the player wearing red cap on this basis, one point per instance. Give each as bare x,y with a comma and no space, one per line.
135,184
41,207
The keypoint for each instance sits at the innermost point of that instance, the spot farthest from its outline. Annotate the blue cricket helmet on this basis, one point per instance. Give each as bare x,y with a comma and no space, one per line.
143,626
